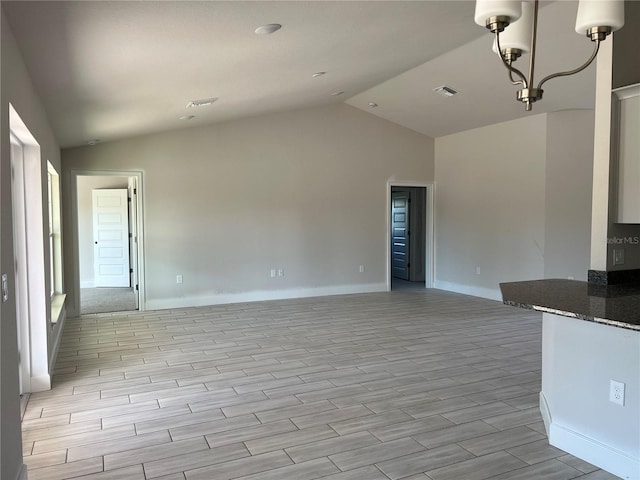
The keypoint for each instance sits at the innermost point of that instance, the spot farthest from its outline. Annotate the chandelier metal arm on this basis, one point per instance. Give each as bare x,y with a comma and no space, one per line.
512,70
571,72
597,21
514,82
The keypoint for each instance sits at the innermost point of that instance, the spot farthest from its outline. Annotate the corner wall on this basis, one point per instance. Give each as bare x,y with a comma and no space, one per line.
514,200
625,70
17,89
490,187
616,66
301,191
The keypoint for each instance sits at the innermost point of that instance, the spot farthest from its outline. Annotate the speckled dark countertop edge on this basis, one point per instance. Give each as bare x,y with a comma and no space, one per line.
578,316
572,299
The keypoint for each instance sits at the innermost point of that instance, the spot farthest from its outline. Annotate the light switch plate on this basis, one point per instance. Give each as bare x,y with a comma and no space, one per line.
5,288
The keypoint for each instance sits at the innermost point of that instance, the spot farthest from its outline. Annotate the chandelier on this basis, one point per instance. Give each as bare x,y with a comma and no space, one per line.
596,19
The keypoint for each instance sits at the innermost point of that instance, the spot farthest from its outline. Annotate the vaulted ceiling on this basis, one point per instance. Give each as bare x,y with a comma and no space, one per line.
113,69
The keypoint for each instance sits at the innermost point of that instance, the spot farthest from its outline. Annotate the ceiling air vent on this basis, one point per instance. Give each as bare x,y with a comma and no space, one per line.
201,103
445,91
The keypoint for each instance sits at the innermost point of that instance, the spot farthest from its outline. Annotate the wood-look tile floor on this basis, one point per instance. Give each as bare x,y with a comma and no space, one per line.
403,385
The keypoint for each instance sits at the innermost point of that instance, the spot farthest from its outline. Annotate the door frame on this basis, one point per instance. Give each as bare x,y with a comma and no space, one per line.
34,324
429,270
138,198
132,189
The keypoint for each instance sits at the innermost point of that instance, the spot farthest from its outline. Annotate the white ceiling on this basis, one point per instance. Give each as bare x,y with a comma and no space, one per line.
110,70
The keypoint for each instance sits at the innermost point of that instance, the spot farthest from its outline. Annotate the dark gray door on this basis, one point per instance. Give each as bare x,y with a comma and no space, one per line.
400,202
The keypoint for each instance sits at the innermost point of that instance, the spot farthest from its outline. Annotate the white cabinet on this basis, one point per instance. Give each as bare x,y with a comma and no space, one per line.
627,150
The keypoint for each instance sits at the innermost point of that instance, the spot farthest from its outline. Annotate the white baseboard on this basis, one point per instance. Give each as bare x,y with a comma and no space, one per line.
545,412
55,341
490,293
87,284
40,383
602,456
261,295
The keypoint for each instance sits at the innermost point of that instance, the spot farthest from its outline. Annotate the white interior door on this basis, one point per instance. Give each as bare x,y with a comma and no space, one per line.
133,237
111,238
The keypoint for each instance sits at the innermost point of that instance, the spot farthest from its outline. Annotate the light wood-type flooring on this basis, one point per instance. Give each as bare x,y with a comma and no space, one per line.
412,385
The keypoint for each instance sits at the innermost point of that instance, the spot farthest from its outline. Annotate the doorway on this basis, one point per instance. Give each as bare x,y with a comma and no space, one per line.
410,233
107,208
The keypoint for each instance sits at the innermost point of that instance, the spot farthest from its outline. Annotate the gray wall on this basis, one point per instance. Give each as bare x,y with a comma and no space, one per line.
302,191
490,206
568,179
17,89
85,221
516,206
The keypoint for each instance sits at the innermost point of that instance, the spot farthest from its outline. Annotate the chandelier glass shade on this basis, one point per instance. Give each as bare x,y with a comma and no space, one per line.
515,23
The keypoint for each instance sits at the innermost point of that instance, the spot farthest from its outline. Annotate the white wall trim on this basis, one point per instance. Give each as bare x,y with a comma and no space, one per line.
429,236
73,307
32,292
40,383
588,449
22,474
56,335
601,455
490,293
261,295
545,412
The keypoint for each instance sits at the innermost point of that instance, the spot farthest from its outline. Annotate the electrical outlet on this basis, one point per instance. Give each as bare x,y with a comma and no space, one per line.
280,272
273,273
477,270
618,256
178,278
361,269
616,392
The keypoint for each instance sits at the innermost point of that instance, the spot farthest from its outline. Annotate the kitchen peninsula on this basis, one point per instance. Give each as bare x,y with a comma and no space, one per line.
590,337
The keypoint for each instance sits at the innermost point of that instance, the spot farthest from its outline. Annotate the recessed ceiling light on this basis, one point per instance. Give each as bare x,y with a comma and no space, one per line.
373,104
187,117
268,29
92,142
445,91
318,74
335,94
203,102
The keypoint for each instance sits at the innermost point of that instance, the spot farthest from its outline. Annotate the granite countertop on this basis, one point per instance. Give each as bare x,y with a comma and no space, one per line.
616,305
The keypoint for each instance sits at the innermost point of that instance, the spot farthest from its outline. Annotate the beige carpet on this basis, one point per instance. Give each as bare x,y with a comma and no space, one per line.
106,300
